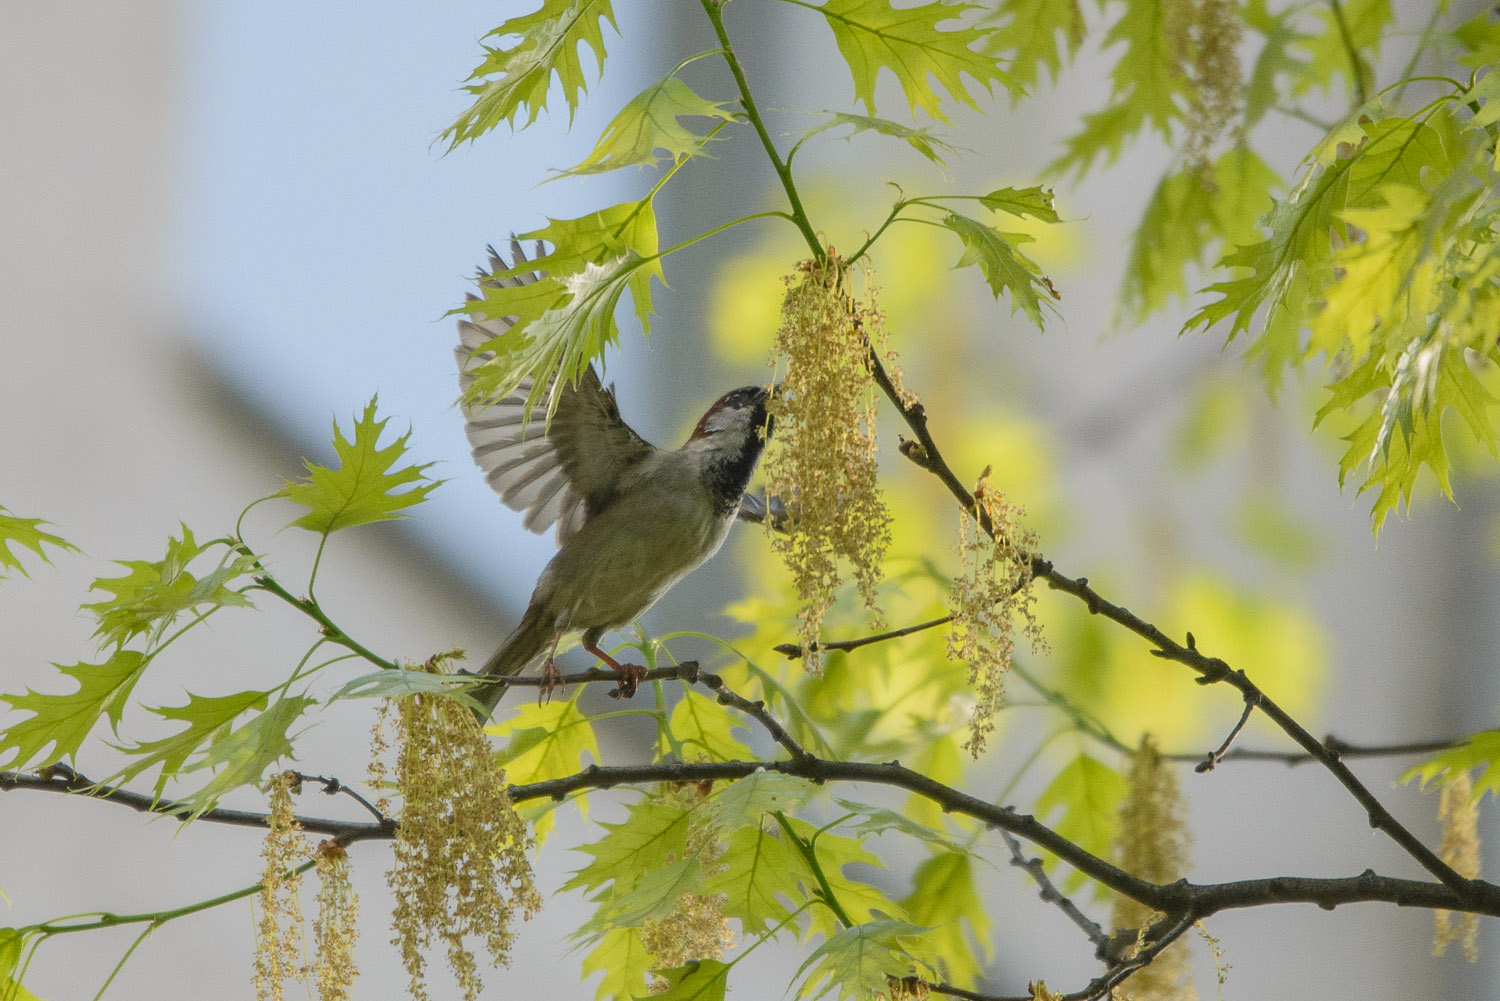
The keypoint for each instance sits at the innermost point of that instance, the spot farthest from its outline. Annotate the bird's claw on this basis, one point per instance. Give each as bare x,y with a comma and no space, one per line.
552,679
630,676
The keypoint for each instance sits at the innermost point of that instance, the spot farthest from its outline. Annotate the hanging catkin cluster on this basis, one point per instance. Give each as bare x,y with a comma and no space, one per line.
697,929
1458,812
823,463
1205,38
336,925
278,932
990,594
1152,843
461,866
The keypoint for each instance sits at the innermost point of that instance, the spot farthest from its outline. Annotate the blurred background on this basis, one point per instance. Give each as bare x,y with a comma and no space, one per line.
228,226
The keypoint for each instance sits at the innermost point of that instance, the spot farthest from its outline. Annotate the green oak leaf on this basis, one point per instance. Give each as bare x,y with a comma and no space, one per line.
1035,201
13,944
923,140
943,895
562,322
879,820
760,871
26,532
650,122
387,684
652,834
518,76
63,721
858,962
1144,89
874,34
623,959
698,980
746,801
366,485
1086,796
1005,268
1036,35
1188,214
700,728
1481,750
651,897
240,757
152,595
205,717
862,901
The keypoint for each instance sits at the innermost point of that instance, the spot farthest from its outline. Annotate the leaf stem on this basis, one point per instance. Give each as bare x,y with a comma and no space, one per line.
715,12
312,610
809,856
1356,70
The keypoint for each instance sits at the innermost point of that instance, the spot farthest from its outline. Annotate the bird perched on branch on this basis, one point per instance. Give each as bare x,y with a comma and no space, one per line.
631,518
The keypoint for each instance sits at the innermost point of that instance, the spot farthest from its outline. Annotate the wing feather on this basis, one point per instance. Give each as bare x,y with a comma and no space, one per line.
559,473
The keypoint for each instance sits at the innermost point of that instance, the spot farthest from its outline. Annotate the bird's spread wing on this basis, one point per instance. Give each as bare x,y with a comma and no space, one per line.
559,474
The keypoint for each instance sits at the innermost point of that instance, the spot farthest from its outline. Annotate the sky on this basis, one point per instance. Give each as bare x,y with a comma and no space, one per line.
318,249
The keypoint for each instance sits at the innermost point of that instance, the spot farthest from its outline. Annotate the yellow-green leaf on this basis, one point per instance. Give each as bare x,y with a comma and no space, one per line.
63,721
365,487
700,730
1004,267
26,532
205,717
944,897
874,34
1085,799
857,962
698,980
152,595
517,75
651,121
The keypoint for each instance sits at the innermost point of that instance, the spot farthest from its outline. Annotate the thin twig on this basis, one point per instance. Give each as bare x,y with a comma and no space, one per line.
1049,892
793,651
1217,755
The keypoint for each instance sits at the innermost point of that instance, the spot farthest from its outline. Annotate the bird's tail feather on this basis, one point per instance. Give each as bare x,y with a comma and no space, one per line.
521,647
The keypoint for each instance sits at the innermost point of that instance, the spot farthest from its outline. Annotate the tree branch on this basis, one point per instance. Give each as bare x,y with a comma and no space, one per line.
1211,670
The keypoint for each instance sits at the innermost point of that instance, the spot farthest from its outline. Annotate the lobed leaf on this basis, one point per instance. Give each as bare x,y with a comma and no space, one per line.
1005,268
1037,35
64,721
623,959
1481,750
1086,796
873,35
944,898
762,880
698,980
240,757
366,485
149,598
206,718
653,834
702,727
518,76
563,321
858,962
1145,87
923,140
26,532
651,122
1187,215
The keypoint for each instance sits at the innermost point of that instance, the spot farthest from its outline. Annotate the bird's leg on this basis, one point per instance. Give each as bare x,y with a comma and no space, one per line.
551,676
630,674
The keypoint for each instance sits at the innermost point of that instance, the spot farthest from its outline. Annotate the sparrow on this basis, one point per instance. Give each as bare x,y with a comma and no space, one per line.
632,519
